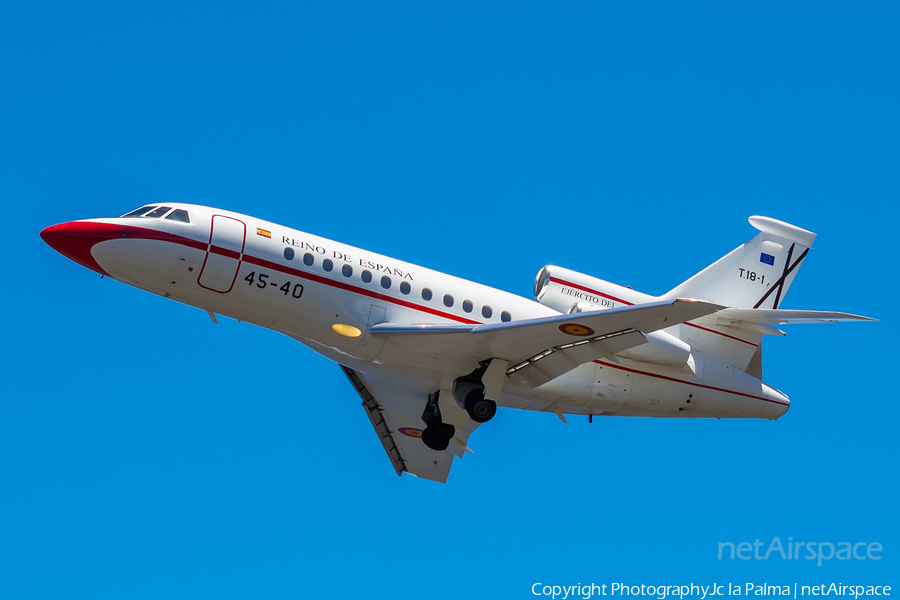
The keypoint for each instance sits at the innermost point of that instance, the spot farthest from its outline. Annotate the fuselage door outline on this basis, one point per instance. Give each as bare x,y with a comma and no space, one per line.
224,254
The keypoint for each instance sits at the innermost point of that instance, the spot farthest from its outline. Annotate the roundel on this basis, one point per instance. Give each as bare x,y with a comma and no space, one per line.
576,329
411,432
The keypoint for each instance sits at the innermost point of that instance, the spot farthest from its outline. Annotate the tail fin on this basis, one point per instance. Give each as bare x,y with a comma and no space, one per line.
756,274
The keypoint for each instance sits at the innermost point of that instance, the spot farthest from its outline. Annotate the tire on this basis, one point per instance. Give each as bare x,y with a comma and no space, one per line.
446,429
479,409
435,438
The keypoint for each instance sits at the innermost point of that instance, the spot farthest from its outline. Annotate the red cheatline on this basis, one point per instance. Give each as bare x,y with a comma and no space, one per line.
104,231
700,385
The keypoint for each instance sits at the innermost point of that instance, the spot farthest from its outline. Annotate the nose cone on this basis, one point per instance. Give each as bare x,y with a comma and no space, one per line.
75,239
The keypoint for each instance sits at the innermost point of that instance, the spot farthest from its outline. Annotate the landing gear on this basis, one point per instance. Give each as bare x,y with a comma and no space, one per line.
466,394
479,409
437,435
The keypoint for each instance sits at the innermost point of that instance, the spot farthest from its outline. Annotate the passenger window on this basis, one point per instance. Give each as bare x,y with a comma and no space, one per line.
347,270
386,282
155,214
308,259
467,305
140,211
289,253
179,215
426,294
404,287
448,300
327,264
366,276
505,317
486,311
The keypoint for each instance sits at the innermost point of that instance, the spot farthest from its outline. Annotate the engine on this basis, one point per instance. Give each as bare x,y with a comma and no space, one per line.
562,289
571,292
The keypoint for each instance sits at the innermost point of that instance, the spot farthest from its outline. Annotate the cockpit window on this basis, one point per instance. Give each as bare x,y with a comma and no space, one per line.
139,212
179,215
155,214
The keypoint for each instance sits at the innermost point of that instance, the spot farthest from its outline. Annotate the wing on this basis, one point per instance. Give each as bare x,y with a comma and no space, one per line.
538,350
786,317
395,410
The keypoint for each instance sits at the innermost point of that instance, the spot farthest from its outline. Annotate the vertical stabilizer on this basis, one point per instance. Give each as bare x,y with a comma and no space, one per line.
755,275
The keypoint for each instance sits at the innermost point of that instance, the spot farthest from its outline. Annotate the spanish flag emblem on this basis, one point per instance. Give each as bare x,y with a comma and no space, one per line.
264,232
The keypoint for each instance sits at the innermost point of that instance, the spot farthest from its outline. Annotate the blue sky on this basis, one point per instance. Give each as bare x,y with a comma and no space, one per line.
146,453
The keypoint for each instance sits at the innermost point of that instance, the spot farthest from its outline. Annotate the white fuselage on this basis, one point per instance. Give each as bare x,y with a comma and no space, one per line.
302,285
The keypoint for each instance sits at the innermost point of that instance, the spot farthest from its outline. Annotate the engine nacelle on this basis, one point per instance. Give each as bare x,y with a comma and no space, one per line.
661,349
562,289
571,292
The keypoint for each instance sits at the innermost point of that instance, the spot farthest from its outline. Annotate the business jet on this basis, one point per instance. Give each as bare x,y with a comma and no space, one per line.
432,356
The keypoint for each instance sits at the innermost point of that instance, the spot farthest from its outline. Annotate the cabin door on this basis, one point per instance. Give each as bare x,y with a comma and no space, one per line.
224,253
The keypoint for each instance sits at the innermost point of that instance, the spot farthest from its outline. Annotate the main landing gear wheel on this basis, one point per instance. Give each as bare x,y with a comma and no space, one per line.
437,435
479,409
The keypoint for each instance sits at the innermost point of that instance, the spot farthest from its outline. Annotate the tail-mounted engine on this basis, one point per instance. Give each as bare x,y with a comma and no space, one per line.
563,290
572,292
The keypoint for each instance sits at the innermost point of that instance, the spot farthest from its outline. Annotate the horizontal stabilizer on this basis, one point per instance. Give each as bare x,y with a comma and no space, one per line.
786,317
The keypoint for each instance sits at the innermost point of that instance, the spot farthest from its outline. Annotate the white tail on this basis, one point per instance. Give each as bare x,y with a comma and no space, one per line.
752,280
756,274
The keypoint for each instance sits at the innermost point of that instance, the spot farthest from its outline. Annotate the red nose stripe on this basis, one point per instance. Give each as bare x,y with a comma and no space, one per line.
74,240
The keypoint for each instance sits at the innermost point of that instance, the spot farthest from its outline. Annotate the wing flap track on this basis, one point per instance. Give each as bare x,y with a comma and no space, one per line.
553,362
